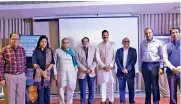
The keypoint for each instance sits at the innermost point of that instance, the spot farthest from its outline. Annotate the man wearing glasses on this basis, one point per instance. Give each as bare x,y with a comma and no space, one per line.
125,60
12,71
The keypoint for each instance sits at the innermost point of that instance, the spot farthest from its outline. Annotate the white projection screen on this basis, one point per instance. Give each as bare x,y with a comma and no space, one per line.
119,27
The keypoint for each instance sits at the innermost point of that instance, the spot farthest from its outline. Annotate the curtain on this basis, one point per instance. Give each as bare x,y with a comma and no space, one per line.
161,24
19,25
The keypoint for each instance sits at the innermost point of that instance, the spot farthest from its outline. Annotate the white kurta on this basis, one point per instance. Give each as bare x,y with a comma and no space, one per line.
64,69
105,55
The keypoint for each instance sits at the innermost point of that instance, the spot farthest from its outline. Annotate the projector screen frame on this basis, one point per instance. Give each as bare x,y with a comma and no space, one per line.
137,17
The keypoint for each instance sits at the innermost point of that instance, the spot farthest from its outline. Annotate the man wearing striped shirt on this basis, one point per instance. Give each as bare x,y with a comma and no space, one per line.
12,71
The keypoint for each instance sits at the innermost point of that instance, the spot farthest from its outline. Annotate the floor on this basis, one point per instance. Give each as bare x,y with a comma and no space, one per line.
139,99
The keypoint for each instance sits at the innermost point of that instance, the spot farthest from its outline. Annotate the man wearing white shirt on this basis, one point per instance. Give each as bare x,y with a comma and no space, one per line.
65,70
126,58
105,56
171,56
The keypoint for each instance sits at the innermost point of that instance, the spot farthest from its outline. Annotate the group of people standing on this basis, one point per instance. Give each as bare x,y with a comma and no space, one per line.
88,63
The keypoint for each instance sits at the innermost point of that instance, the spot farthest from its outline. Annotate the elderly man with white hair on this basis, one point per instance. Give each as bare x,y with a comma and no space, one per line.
66,70
126,58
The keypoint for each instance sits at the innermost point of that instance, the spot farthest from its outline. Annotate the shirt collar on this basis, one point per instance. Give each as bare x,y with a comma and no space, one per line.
85,47
153,40
13,47
176,41
106,42
125,48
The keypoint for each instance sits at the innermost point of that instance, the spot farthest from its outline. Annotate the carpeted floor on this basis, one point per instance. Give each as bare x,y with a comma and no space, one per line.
138,100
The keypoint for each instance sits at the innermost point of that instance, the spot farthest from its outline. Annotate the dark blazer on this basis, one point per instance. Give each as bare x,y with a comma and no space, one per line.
130,65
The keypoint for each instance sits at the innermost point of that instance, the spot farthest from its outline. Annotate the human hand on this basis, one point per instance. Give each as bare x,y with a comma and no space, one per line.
2,83
175,70
44,74
55,77
109,67
105,67
161,71
125,71
88,71
140,69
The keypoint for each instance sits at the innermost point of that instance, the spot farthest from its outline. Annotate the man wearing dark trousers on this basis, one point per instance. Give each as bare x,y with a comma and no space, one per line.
126,58
86,74
150,65
171,56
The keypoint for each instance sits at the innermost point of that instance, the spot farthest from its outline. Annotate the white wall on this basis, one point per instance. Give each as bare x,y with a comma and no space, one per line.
77,28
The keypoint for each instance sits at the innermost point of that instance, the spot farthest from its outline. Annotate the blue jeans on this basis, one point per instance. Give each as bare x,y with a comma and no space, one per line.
82,87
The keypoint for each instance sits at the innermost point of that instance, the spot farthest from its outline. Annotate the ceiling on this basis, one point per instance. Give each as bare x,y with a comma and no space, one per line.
40,9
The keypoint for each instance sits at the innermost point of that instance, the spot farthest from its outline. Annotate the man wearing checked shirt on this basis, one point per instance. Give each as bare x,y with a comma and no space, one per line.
12,71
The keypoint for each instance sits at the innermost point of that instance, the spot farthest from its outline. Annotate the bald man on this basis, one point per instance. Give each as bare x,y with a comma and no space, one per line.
126,59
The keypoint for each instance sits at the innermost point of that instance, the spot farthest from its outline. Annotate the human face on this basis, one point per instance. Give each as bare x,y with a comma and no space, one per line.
149,34
175,35
65,43
43,43
14,40
85,42
32,93
126,43
105,36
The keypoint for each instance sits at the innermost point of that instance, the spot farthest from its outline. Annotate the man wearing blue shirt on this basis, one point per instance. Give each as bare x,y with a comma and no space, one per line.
150,60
